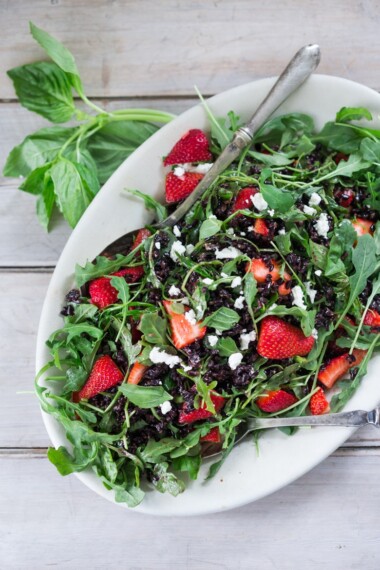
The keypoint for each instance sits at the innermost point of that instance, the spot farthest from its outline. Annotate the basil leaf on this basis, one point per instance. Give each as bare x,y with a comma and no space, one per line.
45,89
151,204
209,228
153,328
36,181
277,199
223,319
57,51
145,396
227,346
352,114
45,202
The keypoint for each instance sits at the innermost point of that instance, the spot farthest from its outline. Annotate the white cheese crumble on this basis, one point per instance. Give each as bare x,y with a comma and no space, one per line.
190,317
212,217
298,299
230,231
315,199
310,291
157,245
158,356
243,234
212,339
177,231
179,171
314,333
236,282
272,307
234,360
185,301
322,225
282,232
318,272
199,168
190,248
186,368
174,291
177,249
239,303
165,407
271,213
227,253
224,275
245,339
207,281
309,211
259,202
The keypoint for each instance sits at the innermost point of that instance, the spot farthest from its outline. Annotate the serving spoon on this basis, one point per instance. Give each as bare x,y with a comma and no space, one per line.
296,72
356,418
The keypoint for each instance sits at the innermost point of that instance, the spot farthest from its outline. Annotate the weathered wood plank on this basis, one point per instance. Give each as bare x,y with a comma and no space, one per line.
143,47
21,298
328,518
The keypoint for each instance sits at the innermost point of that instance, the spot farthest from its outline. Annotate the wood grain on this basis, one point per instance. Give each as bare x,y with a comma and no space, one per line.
145,47
327,519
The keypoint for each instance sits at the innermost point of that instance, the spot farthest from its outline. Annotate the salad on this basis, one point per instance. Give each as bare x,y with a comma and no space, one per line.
263,300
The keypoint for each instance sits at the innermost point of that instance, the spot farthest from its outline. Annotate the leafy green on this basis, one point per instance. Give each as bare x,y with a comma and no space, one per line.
166,482
277,199
151,204
223,319
209,228
145,396
227,346
153,328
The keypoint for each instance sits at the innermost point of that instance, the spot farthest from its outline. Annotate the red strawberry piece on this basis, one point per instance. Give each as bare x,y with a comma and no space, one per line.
279,339
184,332
339,366
344,196
244,199
180,187
103,376
213,436
193,146
261,227
275,401
319,404
260,269
188,417
372,318
102,293
340,156
362,226
136,373
140,236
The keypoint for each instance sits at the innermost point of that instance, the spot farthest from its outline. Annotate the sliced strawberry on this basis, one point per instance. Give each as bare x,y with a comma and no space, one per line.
244,199
372,318
279,339
362,226
344,196
136,373
188,417
140,237
103,376
183,331
260,269
275,401
102,293
213,436
319,404
180,187
261,227
193,146
339,366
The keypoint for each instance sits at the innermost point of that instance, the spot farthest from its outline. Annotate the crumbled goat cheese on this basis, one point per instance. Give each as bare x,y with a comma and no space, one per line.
272,307
314,333
318,272
186,368
227,253
239,303
234,360
309,211
243,234
174,291
219,333
190,248
179,171
224,275
207,281
230,231
177,231
298,297
322,225
190,317
259,202
157,245
165,407
199,168
236,282
158,356
177,249
310,291
245,339
185,301
212,217
314,199
282,232
212,339
271,213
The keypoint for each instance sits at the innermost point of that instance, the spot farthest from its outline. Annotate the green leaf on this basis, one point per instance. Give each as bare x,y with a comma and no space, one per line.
166,482
347,114
154,450
370,150
280,130
273,159
57,51
36,150
341,138
45,202
125,337
75,379
36,181
319,254
73,330
209,228
307,318
122,288
226,346
71,189
83,312
376,238
66,464
223,319
113,143
277,199
45,89
145,396
347,167
108,464
131,496
189,464
153,328
151,204
250,290
101,266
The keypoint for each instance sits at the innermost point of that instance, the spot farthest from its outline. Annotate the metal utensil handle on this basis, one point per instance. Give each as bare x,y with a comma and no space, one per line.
355,418
297,71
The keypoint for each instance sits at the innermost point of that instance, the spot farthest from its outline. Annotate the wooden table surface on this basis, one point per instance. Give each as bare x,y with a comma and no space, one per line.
150,53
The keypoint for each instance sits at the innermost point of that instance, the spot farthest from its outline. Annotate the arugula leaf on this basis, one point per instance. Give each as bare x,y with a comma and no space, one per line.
66,464
101,266
132,496
189,464
209,228
145,396
319,254
154,450
346,114
75,378
276,198
153,328
45,89
164,481
226,346
151,204
370,150
125,337
223,319
339,137
307,318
